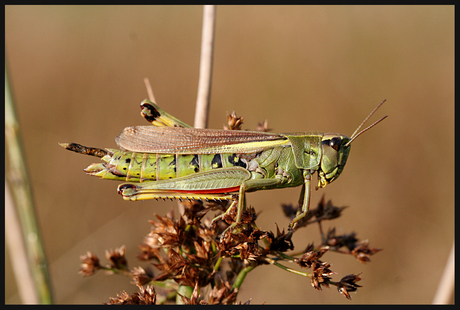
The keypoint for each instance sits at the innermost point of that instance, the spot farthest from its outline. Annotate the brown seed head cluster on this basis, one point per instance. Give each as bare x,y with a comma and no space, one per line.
234,122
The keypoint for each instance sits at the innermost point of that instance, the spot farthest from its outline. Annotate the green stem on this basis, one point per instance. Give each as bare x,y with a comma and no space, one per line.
20,188
240,278
167,284
273,262
123,272
217,265
284,256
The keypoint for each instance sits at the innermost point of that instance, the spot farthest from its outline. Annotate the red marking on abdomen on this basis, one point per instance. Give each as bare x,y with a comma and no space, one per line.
211,191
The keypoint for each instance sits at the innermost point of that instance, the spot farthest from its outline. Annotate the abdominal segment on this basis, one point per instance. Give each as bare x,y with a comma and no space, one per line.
141,167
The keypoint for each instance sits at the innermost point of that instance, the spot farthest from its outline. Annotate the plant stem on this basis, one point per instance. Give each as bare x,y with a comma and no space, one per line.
204,83
240,278
217,264
273,262
446,289
20,188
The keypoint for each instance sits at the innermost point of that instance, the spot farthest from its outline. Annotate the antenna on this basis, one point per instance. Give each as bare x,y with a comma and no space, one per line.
356,135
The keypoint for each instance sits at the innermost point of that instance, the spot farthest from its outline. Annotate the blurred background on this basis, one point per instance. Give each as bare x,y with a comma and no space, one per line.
76,75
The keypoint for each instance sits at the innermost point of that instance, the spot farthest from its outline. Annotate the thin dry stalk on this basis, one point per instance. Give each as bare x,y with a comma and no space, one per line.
149,90
18,252
204,83
446,289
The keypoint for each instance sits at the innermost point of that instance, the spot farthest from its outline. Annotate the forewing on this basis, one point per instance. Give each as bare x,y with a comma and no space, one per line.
177,140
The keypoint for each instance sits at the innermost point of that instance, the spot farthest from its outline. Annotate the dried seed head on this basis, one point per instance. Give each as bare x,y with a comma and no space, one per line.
146,296
321,274
90,264
263,127
310,257
338,241
222,294
234,122
282,242
140,276
193,300
327,211
348,284
362,252
117,258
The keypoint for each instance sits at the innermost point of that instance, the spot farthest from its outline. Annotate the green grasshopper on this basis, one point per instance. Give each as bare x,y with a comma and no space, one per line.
172,160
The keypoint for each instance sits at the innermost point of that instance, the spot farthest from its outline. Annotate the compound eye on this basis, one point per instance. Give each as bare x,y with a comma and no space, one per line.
335,143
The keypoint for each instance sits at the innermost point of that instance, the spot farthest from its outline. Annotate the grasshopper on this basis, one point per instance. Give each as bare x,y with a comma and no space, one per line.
172,160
